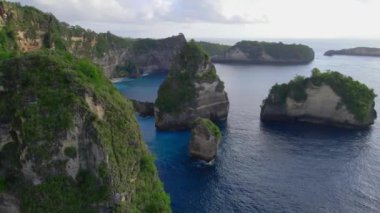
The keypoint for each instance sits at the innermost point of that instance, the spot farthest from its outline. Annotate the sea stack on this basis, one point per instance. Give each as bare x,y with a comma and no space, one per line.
205,140
192,89
328,98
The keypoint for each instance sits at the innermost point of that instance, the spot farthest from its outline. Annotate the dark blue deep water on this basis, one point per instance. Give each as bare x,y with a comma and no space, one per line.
274,168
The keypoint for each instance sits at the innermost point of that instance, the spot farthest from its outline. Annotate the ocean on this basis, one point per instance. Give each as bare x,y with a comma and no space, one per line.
271,168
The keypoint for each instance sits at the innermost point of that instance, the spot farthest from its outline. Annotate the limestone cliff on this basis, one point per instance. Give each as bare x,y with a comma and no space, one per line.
253,52
358,51
205,139
192,89
325,98
69,142
26,29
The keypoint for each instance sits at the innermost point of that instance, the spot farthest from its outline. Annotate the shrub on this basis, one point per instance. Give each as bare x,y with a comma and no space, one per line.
3,184
214,129
71,152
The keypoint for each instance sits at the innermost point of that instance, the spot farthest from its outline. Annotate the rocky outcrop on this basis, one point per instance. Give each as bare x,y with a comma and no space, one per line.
142,56
9,204
205,139
69,142
33,30
358,51
192,89
156,55
253,52
143,108
317,100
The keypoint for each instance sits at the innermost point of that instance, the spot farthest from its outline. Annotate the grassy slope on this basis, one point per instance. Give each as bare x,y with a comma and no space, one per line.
55,83
55,35
213,128
213,48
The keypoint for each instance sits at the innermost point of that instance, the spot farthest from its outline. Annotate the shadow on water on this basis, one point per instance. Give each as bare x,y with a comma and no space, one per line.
313,131
318,139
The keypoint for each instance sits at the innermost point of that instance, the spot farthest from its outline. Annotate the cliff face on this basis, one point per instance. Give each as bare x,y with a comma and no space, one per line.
192,89
205,139
157,55
319,104
69,142
26,29
140,56
252,52
358,51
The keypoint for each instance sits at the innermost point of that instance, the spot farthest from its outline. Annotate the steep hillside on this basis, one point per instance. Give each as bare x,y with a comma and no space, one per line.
69,141
213,49
26,29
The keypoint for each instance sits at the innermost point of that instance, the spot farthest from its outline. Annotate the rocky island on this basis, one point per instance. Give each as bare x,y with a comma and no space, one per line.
358,51
253,52
192,89
205,139
328,98
69,141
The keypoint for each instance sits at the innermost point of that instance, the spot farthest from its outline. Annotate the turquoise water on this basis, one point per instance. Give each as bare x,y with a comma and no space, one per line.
272,168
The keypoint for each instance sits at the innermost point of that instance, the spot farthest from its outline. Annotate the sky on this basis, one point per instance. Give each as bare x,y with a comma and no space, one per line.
221,18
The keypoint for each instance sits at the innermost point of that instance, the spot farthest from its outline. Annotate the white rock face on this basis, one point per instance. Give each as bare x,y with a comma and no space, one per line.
321,102
236,54
203,144
322,106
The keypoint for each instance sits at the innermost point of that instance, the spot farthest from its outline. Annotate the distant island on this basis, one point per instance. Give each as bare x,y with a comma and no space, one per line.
213,49
358,51
328,98
254,52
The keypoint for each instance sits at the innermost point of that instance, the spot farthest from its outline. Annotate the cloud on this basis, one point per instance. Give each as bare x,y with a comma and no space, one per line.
132,11
204,11
80,10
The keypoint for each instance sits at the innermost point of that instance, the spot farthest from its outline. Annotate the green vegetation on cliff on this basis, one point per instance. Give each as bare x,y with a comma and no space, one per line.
178,88
357,97
213,48
282,51
214,129
47,32
43,95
